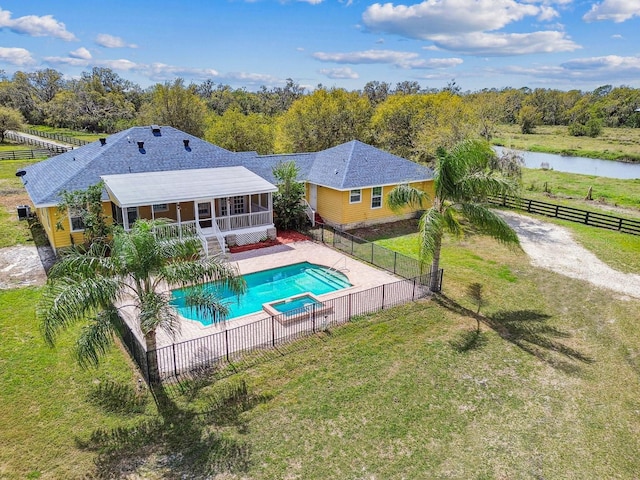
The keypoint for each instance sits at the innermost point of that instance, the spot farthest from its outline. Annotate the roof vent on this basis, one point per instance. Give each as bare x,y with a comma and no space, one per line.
186,142
103,141
21,173
155,129
141,145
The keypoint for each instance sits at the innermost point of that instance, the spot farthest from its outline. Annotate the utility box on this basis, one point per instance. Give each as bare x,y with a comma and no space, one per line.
24,212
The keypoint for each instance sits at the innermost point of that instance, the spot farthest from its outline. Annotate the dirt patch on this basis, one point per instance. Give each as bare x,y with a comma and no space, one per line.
552,247
21,266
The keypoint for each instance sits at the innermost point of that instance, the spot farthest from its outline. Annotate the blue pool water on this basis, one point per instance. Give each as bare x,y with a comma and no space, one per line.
297,304
268,286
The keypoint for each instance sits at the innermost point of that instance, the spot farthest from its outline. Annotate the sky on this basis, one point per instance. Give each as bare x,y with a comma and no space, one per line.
559,44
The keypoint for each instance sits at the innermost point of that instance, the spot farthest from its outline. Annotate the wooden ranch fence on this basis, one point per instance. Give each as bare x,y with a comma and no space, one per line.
30,154
594,219
58,137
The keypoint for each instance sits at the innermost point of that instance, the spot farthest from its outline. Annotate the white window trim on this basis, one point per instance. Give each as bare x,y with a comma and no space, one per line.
376,196
205,212
359,190
160,207
75,211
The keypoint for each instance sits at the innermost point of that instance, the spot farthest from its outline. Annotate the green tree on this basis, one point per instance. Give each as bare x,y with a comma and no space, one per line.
175,105
287,206
88,203
238,132
528,118
10,119
324,119
92,289
462,183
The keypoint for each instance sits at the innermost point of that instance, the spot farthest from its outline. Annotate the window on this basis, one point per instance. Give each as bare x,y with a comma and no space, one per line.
76,219
376,197
238,205
132,215
355,196
160,207
221,207
204,209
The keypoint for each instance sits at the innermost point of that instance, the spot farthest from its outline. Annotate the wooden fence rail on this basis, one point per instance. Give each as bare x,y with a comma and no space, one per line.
594,219
28,154
58,137
17,138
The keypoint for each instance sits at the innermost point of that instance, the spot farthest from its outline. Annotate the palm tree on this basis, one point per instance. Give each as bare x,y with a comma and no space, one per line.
95,286
463,180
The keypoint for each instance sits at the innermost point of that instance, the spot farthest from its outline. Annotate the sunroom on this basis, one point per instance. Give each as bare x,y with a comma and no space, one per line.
223,206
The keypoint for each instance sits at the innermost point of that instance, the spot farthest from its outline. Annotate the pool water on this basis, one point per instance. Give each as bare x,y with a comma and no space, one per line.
284,306
267,286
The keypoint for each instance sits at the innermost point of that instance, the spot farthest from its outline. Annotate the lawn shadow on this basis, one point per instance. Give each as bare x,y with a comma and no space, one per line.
468,340
530,331
182,441
121,398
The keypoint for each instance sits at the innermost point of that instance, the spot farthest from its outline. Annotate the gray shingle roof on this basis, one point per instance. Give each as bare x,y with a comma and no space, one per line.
347,166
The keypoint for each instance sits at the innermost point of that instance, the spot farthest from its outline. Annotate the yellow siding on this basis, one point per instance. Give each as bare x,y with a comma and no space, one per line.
330,204
49,218
334,206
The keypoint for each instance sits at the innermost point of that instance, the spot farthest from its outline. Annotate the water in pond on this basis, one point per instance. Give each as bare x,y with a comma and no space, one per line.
582,165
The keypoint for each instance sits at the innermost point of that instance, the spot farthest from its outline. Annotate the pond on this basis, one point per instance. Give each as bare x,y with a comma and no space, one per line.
582,165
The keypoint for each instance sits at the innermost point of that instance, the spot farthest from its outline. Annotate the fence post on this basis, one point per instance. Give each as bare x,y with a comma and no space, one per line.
351,245
175,363
273,331
372,253
413,293
226,341
313,318
382,306
349,308
395,260
586,219
322,232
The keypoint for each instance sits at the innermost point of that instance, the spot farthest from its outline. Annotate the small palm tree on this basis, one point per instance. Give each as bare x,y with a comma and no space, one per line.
93,287
462,183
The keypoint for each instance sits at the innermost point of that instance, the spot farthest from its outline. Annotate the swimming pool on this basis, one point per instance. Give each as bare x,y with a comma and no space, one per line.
268,286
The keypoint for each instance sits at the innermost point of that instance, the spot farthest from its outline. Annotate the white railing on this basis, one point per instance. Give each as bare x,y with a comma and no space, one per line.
311,213
219,237
246,220
179,230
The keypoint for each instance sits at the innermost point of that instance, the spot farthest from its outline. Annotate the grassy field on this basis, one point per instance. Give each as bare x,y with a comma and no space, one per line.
614,144
12,194
571,189
7,146
89,137
549,389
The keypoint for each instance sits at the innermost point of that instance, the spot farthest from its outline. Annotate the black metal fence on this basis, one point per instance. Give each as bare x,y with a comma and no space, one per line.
58,137
586,217
258,339
381,257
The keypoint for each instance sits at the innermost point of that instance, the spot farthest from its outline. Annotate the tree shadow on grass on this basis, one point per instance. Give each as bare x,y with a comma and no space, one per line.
182,441
528,330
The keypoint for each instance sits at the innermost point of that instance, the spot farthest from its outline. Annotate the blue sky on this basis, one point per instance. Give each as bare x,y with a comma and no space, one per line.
563,44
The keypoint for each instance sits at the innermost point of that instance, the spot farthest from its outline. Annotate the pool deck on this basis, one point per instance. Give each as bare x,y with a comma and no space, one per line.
361,276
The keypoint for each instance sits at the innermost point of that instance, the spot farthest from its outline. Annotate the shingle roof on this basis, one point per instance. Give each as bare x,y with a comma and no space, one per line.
350,165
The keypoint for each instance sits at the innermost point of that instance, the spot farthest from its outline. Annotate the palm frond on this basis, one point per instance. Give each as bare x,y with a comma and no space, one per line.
430,230
207,303
66,301
96,337
488,223
405,195
211,269
155,311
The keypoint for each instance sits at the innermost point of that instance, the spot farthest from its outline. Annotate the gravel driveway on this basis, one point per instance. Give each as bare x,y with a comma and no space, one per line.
553,248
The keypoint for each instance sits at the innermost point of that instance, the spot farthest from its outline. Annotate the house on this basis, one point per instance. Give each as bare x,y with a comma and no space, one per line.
225,197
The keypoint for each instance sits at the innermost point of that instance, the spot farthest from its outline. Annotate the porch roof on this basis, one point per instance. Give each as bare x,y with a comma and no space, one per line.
151,188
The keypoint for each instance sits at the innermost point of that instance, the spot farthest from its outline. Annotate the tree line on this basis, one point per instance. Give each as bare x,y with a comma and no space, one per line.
405,119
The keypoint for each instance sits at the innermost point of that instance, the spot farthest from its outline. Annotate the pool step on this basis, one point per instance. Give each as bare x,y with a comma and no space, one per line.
326,277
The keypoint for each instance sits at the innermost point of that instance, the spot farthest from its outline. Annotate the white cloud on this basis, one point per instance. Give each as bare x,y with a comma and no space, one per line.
110,41
612,63
615,10
502,44
474,20
35,26
407,60
81,53
339,73
16,56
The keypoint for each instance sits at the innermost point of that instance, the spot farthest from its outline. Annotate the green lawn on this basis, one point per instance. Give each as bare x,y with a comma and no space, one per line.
613,144
80,135
550,389
12,194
